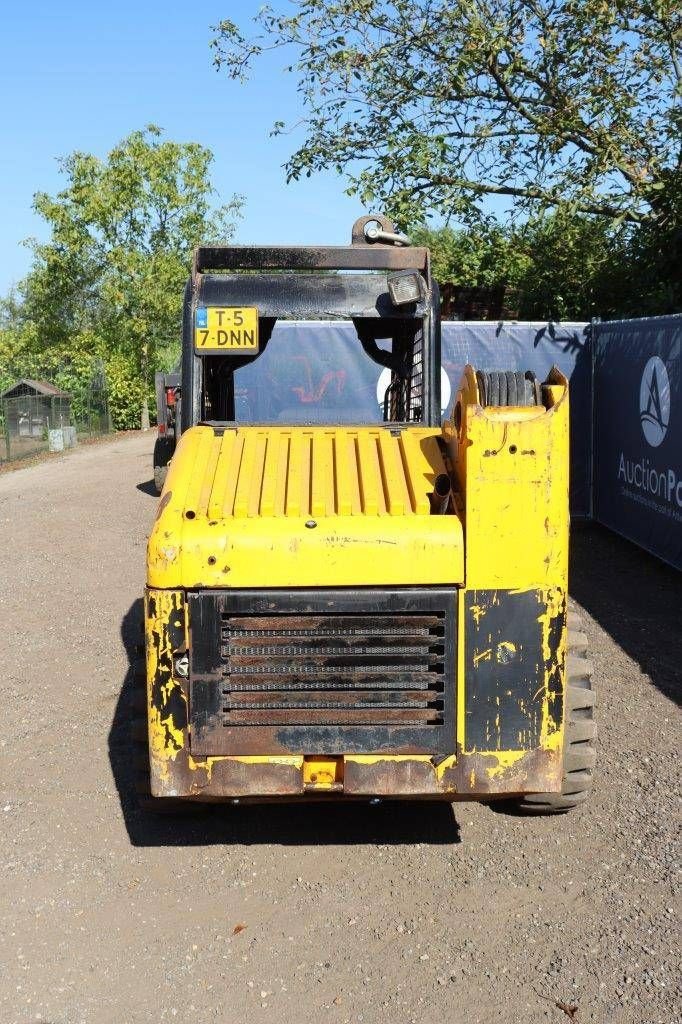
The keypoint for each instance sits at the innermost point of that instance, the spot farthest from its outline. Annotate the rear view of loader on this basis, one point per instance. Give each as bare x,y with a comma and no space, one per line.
352,599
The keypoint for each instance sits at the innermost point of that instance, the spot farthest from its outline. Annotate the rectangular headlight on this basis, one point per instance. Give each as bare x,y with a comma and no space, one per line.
405,287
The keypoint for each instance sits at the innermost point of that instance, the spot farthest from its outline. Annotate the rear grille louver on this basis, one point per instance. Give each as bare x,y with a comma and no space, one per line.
322,671
333,670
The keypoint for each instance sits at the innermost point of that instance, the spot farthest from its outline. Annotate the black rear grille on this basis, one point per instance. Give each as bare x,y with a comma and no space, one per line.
287,675
333,669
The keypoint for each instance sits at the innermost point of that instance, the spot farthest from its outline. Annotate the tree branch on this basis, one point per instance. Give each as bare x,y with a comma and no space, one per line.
537,195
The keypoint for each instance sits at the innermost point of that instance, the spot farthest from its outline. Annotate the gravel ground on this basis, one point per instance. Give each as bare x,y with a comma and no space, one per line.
399,913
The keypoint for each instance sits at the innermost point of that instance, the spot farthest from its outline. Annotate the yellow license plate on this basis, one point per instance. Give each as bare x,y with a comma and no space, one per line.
226,329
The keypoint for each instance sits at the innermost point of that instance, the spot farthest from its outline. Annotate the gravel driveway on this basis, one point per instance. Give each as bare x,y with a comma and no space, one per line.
396,913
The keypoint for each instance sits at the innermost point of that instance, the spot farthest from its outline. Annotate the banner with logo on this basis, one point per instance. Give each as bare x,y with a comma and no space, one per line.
638,432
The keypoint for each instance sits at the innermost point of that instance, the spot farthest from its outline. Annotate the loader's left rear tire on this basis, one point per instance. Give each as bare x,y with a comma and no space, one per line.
163,452
160,474
580,735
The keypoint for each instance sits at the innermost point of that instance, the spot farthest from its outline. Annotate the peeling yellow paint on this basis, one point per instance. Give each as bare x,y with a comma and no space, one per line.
165,696
501,761
554,658
504,648
478,612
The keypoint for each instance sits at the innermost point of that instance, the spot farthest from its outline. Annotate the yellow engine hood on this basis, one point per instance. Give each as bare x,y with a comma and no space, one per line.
303,507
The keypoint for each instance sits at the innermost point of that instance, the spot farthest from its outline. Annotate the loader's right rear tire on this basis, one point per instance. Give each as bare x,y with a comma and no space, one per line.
580,733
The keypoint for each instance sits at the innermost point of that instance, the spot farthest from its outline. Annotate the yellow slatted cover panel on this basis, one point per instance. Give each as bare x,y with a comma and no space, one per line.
252,472
366,490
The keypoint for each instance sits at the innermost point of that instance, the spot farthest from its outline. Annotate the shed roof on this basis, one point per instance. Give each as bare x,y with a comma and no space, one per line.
37,387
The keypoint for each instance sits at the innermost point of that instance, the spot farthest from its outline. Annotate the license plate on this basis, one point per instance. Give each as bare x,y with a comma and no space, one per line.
226,329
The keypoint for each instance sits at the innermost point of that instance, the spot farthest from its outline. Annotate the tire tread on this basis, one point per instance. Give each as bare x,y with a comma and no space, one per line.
580,732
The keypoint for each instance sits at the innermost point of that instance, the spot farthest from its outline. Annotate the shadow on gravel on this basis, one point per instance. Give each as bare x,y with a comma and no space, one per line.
635,598
148,487
288,824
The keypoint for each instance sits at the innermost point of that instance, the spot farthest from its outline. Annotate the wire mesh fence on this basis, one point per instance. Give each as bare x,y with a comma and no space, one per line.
32,422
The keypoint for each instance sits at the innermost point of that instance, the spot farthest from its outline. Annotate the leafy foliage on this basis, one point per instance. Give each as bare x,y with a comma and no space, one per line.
436,104
569,268
561,267
484,257
108,285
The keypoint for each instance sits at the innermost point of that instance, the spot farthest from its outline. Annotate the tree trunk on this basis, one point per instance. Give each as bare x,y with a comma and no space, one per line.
144,368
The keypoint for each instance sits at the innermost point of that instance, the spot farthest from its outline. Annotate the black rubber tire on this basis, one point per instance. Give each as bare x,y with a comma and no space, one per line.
494,389
504,389
163,452
499,388
512,398
580,734
160,474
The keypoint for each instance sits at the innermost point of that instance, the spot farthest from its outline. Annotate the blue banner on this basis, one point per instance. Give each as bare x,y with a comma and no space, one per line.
638,432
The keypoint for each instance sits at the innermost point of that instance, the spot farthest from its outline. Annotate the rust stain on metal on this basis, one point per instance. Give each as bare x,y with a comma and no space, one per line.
472,774
236,778
535,771
390,778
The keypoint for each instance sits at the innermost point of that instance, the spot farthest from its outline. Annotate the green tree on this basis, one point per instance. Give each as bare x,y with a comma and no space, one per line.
555,267
482,257
437,104
575,268
113,272
655,259
563,266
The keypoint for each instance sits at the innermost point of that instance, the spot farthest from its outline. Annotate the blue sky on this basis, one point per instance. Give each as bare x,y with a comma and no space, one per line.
76,75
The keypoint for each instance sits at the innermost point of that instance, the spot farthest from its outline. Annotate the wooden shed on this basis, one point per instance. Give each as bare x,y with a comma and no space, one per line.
33,407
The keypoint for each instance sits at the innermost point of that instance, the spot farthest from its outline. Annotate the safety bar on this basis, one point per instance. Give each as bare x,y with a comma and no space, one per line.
306,257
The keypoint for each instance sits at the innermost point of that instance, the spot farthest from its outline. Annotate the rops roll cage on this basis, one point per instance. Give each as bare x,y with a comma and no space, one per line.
380,282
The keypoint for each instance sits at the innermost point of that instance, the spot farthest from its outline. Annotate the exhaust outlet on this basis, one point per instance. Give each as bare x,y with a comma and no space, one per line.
440,499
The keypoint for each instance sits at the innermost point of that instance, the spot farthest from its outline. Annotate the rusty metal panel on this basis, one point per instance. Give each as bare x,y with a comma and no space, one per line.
230,777
391,778
513,667
325,672
308,257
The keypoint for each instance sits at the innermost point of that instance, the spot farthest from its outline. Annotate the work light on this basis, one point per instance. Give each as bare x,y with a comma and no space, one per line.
405,287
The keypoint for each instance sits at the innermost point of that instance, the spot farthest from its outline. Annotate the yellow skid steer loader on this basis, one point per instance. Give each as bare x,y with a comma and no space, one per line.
350,597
